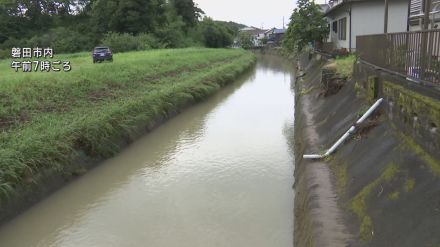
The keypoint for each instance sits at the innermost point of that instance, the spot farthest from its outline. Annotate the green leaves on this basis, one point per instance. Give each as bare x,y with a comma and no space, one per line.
245,40
215,34
307,26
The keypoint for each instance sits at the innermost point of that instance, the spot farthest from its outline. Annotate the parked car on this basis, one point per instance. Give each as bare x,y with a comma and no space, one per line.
102,53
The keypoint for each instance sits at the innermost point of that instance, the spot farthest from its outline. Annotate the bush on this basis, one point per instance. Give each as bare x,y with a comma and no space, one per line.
5,53
13,42
62,40
215,35
245,40
172,36
120,42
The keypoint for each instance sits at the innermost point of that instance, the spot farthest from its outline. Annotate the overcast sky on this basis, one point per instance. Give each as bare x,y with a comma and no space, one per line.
256,13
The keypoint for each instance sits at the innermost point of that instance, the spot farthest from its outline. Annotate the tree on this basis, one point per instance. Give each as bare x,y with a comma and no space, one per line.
171,32
131,16
188,10
215,34
245,40
307,25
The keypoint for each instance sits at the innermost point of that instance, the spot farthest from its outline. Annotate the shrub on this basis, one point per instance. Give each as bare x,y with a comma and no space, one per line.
120,42
62,40
5,53
245,40
215,35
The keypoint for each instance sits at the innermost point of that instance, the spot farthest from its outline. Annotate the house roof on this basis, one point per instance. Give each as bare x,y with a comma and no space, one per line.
276,31
248,29
324,7
340,4
279,31
253,30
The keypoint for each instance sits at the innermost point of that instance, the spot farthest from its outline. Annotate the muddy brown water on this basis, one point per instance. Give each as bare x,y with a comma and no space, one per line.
219,174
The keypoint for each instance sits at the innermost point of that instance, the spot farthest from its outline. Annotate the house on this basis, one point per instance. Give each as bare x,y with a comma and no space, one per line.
275,36
413,54
416,15
257,35
350,18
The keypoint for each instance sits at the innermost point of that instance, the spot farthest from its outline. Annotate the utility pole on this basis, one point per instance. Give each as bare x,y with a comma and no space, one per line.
427,10
385,24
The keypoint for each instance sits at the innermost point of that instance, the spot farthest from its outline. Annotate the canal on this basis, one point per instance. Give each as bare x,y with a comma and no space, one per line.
219,174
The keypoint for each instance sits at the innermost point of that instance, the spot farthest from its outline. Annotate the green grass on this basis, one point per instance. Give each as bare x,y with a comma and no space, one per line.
344,66
46,118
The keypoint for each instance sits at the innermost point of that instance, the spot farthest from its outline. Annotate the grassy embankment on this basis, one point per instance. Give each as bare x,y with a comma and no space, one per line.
47,118
344,66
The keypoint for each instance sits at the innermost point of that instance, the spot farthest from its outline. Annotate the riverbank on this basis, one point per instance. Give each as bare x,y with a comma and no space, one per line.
56,126
382,187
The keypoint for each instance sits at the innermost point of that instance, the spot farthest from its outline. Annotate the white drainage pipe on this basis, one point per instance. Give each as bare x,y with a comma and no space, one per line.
346,135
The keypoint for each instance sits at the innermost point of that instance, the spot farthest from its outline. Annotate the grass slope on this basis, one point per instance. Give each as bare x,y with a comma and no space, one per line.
47,118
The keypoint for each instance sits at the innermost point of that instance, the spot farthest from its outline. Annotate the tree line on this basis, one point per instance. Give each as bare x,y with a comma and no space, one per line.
79,25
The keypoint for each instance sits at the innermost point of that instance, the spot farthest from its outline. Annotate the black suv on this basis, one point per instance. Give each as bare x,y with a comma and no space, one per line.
102,53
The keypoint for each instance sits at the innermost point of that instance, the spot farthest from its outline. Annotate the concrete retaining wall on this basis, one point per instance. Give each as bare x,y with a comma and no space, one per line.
382,187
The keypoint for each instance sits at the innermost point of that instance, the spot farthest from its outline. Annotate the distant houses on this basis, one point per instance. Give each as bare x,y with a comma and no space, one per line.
256,34
260,37
275,36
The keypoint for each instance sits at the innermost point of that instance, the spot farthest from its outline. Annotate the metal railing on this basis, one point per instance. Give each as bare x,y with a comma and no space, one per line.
411,54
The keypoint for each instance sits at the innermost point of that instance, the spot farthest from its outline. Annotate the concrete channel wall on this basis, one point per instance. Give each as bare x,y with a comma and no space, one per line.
382,187
413,108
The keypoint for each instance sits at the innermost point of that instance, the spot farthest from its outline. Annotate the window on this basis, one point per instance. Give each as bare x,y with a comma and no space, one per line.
342,25
335,26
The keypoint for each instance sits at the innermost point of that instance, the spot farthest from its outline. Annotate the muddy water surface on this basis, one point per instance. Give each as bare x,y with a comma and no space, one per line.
219,174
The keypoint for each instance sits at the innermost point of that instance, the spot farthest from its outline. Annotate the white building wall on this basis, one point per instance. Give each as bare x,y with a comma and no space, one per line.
334,36
398,16
368,18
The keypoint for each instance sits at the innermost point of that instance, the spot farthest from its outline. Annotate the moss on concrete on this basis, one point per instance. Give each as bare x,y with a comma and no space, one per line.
366,228
342,176
394,196
410,183
390,173
359,203
373,87
433,163
308,90
414,102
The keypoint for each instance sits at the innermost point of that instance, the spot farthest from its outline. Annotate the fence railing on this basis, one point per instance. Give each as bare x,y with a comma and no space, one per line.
412,54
